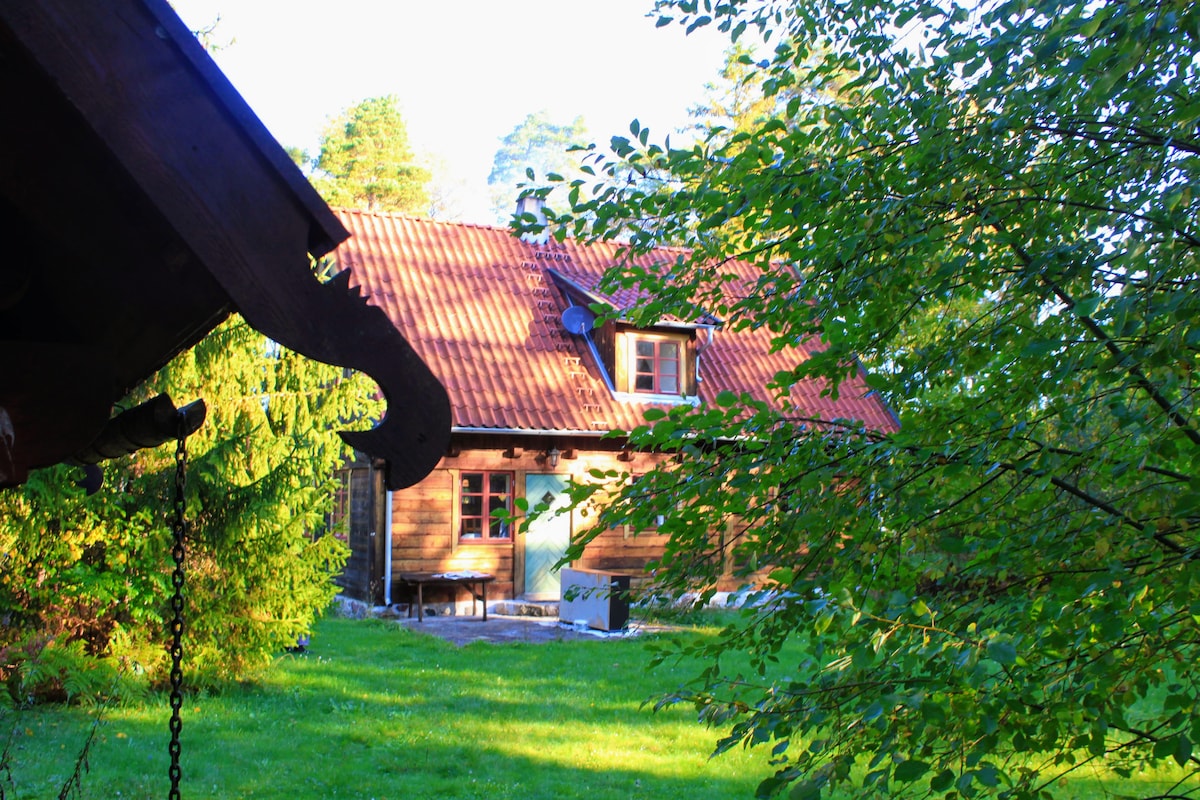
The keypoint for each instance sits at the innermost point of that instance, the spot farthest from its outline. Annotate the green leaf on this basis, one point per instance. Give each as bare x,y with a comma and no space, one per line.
952,545
942,781
911,770
933,712
1165,747
1090,26
1002,652
807,789
1173,198
1087,306
1183,750
877,381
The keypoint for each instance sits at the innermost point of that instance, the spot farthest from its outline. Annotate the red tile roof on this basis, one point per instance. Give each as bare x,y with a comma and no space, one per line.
479,307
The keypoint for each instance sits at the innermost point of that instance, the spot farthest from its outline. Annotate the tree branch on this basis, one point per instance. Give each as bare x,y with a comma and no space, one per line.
1093,327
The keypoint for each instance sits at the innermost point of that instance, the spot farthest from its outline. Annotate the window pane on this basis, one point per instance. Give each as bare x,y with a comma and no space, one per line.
669,349
472,505
472,482
644,383
668,367
644,347
498,529
472,528
498,483
667,384
644,365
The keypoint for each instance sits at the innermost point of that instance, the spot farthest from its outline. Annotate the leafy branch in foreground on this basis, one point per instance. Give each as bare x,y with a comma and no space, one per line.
989,210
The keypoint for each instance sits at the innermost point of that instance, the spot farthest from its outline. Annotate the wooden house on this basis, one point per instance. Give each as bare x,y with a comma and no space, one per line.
533,389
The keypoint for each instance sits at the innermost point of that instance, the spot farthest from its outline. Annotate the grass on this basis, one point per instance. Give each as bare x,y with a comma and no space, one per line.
377,711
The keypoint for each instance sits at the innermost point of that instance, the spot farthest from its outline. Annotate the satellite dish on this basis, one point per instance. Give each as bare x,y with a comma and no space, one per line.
578,320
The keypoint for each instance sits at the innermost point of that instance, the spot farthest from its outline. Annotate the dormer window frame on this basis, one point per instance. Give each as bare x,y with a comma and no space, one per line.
627,372
613,342
650,367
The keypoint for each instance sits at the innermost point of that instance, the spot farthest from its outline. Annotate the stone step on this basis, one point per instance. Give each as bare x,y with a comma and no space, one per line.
525,608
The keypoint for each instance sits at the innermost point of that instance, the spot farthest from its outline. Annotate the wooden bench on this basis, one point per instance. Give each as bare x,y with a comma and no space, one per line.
474,582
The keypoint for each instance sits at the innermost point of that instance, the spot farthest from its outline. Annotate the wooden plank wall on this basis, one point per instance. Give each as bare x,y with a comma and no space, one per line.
425,525
355,578
425,520
620,551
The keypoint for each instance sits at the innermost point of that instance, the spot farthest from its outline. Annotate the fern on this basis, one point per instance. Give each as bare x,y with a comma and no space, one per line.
98,683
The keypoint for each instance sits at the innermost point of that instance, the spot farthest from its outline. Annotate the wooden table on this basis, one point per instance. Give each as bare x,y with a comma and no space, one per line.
474,582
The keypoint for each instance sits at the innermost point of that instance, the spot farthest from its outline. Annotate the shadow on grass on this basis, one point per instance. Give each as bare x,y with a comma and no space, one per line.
377,711
374,711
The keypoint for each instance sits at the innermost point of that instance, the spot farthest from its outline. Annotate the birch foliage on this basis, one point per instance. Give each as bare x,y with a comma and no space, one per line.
991,210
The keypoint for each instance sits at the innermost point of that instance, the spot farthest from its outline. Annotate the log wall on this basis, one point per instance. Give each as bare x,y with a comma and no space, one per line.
424,533
425,516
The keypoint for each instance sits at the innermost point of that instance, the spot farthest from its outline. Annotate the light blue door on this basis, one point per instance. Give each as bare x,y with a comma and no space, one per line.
547,539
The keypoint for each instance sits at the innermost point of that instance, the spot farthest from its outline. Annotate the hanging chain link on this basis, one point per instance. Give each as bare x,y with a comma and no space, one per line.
179,529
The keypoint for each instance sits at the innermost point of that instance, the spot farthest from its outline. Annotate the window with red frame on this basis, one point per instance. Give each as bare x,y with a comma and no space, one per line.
656,365
481,493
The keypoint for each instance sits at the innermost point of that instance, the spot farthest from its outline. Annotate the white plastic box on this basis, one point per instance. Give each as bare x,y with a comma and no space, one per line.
601,598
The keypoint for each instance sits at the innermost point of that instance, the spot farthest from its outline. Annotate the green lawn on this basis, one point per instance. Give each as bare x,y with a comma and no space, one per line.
376,711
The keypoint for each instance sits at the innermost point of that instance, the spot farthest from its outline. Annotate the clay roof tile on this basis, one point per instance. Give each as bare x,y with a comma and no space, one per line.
482,308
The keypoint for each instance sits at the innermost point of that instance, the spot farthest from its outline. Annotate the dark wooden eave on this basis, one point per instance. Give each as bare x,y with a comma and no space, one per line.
142,201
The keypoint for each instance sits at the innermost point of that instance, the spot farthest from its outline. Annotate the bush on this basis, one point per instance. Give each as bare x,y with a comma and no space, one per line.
85,584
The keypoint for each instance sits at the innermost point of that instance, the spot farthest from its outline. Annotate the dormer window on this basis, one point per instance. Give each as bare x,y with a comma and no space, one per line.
654,364
657,366
659,363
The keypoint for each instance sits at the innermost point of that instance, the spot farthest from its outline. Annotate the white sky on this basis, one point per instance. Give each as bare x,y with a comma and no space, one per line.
465,71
